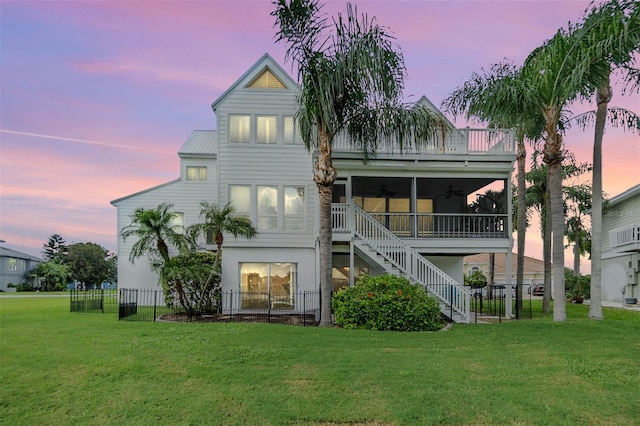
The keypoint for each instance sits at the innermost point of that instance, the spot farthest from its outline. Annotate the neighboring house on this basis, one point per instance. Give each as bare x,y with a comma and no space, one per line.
404,212
620,245
15,267
533,269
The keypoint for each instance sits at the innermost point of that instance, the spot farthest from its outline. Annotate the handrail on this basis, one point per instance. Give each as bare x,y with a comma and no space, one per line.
456,141
413,264
431,225
625,235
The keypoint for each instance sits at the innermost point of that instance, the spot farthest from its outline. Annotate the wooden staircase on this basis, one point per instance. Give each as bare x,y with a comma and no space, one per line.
381,246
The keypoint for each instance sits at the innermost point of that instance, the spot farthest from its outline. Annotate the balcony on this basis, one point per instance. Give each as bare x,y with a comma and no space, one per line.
625,239
456,142
429,225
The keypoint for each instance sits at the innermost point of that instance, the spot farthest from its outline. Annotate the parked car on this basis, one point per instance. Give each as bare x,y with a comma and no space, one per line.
537,290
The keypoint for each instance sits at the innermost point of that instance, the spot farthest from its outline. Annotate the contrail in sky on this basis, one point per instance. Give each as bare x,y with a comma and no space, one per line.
84,141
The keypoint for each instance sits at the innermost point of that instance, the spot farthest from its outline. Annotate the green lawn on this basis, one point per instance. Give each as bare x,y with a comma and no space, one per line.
61,368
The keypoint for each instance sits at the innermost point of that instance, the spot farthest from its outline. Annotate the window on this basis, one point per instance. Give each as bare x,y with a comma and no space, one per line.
240,198
239,128
268,285
289,131
13,264
177,223
266,80
266,129
294,208
267,207
196,173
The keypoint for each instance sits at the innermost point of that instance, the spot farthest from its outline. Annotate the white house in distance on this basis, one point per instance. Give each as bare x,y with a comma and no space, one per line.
533,269
404,212
620,245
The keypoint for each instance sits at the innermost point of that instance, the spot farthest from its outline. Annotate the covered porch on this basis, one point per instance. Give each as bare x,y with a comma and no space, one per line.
435,208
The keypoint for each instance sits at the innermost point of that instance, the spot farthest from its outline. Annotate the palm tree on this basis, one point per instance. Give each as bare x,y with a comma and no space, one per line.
351,77
156,231
478,98
613,39
217,222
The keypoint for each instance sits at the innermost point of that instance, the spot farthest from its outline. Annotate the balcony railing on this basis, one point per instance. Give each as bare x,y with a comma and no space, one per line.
456,141
624,236
429,225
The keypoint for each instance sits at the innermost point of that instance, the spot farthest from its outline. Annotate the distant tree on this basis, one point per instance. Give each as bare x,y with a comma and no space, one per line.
55,248
51,275
91,264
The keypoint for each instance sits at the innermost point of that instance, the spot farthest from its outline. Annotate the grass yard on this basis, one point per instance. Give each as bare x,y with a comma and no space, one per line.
61,368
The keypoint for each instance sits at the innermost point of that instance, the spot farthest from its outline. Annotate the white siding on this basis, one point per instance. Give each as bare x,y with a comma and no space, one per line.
185,197
304,258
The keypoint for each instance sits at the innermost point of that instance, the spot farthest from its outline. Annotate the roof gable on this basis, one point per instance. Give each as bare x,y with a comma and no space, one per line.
253,74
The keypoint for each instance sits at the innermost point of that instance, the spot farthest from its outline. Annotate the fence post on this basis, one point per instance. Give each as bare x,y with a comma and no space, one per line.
155,304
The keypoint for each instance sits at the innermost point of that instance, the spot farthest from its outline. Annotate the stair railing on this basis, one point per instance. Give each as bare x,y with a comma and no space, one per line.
413,264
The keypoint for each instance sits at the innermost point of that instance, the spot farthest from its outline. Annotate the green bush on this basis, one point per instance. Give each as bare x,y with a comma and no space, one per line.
578,288
386,302
185,279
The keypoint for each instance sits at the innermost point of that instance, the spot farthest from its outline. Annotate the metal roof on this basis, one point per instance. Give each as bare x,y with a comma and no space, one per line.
200,142
7,252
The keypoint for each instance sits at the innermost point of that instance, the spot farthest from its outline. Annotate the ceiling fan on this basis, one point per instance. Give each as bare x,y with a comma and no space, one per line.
384,192
450,192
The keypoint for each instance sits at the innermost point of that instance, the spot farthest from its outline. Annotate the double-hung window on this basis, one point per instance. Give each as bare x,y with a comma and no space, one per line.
267,207
294,208
266,129
239,128
196,173
289,131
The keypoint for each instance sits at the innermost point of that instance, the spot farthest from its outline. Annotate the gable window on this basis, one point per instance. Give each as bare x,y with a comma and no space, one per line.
239,128
267,207
294,208
266,80
13,264
196,173
266,129
289,131
240,198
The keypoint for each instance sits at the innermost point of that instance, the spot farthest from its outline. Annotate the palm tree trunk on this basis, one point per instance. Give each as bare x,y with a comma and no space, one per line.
521,220
557,236
324,176
595,306
546,230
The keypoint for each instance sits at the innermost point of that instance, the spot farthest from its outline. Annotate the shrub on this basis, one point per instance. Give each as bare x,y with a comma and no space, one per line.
185,279
386,302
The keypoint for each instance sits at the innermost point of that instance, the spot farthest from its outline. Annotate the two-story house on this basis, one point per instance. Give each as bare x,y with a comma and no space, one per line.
620,248
406,211
15,268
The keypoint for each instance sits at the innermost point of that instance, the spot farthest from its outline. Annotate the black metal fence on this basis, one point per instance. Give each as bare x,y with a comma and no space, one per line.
105,301
301,308
492,305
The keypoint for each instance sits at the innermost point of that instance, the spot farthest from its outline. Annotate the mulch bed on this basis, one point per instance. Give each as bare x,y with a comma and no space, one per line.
290,319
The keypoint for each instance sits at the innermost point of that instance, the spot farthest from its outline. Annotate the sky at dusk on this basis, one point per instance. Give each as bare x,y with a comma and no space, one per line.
96,97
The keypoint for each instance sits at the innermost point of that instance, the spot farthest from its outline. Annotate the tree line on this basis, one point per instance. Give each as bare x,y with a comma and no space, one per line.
86,263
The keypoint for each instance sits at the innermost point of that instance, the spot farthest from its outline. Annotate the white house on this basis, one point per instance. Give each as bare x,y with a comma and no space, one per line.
405,211
620,245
